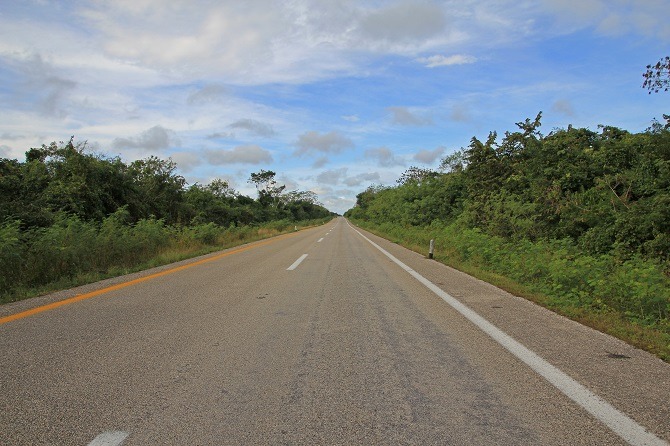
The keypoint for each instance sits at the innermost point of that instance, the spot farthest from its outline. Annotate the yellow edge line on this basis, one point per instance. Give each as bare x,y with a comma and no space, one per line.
79,297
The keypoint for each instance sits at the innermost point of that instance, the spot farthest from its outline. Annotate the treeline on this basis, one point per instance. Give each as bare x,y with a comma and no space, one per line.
67,178
67,212
608,191
580,215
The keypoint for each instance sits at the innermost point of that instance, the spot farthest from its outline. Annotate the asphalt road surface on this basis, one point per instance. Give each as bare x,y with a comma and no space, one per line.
325,336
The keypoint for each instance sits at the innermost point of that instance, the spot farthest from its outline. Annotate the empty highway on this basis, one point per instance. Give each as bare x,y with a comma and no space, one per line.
328,336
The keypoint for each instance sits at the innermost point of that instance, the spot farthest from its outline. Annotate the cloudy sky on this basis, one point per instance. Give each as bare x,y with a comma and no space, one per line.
333,95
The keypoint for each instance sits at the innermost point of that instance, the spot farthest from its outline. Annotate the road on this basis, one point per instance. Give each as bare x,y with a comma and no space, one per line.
316,337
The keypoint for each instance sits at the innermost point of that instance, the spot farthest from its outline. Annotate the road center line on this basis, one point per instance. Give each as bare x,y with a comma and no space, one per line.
617,421
111,438
320,240
297,262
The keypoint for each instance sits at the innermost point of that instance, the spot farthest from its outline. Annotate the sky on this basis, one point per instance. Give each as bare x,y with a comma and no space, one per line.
332,95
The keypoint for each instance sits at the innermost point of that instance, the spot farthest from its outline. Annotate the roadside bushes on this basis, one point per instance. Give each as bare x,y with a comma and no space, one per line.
61,250
72,250
637,288
67,213
70,247
12,253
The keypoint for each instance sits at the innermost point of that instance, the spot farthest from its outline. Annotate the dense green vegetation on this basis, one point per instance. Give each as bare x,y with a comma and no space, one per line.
578,218
68,215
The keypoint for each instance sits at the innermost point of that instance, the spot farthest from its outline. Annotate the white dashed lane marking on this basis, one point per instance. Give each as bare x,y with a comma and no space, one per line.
296,263
111,438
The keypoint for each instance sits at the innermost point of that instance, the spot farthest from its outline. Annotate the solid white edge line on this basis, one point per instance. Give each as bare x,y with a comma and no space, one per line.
621,424
296,263
111,438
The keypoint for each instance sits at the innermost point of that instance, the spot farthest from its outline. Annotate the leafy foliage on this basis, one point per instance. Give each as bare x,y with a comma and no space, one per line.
69,179
66,211
266,185
607,191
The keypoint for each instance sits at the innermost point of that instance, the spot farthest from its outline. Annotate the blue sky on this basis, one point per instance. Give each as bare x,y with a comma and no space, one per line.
331,95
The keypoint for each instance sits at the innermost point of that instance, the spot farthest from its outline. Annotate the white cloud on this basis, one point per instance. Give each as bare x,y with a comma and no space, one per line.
250,42
384,157
583,11
224,37
207,94
155,138
362,178
331,176
40,86
320,162
254,127
339,204
428,156
403,116
404,22
334,177
439,60
186,161
322,190
250,154
289,183
220,135
74,52
564,107
460,113
611,18
313,142
7,136
351,118
255,41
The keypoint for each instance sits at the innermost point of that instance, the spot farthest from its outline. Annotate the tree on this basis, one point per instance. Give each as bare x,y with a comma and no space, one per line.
221,189
159,187
485,169
657,76
63,177
303,205
204,206
266,185
454,162
296,196
416,175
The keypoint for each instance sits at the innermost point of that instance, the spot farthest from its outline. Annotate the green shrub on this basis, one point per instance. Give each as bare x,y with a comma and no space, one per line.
12,254
638,289
74,251
204,234
60,250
